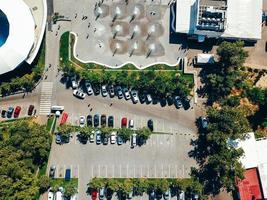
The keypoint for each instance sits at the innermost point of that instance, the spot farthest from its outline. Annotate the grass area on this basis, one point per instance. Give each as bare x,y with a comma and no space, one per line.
67,39
49,124
61,182
14,120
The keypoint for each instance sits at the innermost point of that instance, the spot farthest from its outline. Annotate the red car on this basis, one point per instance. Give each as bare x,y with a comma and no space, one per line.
94,195
17,111
64,118
124,122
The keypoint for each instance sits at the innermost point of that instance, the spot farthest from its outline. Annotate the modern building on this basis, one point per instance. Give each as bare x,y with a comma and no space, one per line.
229,19
255,162
18,36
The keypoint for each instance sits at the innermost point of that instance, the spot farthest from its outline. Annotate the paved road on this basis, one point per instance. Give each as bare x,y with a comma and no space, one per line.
163,156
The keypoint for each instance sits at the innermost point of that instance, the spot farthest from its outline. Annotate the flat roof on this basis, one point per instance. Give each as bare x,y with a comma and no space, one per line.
243,18
21,34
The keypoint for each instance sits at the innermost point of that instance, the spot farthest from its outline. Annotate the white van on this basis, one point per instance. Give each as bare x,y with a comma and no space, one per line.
59,195
57,108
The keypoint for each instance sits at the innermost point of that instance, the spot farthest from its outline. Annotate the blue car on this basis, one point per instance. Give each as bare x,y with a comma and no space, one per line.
58,139
67,175
9,112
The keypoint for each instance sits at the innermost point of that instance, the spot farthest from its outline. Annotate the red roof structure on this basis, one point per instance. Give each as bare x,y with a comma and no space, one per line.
249,188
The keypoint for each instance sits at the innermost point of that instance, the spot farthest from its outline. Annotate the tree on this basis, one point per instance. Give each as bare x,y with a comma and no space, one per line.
96,183
144,133
44,184
232,54
70,190
125,133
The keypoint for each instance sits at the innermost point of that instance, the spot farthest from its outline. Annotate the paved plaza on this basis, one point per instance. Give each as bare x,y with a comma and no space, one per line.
114,33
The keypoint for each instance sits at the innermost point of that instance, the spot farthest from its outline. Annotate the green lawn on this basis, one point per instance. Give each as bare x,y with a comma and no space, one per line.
50,123
61,182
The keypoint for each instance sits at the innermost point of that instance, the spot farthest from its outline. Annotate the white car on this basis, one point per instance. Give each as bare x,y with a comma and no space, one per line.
50,195
113,137
131,124
79,94
82,121
104,90
134,95
74,83
88,87
92,137
134,139
126,93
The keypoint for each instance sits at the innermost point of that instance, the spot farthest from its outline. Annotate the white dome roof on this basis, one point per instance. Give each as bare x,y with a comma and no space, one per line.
20,39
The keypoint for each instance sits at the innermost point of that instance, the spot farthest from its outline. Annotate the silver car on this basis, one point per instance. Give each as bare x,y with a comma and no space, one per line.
79,94
134,95
82,121
104,90
88,87
126,93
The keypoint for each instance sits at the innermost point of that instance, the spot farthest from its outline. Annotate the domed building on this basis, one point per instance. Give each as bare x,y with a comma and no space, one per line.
17,34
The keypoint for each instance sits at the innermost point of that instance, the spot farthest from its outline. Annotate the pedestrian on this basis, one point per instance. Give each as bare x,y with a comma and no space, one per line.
94,30
58,27
76,15
49,65
85,17
87,36
89,25
56,33
91,109
89,105
111,104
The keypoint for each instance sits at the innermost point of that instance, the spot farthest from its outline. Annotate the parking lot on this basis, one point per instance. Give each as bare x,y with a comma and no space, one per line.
163,156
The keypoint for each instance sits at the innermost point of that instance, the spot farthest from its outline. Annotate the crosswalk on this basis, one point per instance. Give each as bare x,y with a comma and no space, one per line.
46,97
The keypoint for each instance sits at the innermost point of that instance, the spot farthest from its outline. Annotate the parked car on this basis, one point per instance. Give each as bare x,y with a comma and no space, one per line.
96,89
101,193
166,195
111,121
89,120
64,118
82,121
181,195
92,137
50,195
111,91
119,140
58,139
68,174
178,102
109,193
103,120
52,171
74,83
113,137
142,97
3,113
119,92
150,124
133,140
30,110
124,122
79,94
104,90
9,112
158,194
186,103
130,195
126,93
17,111
105,139
88,88
131,123
148,98
96,120
152,195
98,137
134,96
169,100
94,195
203,122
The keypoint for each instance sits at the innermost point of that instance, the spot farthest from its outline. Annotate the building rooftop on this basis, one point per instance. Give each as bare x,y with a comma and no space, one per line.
221,18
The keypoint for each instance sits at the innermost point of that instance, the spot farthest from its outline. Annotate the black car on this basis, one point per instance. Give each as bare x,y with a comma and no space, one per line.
109,193
142,98
103,120
96,120
52,171
111,121
150,124
169,100
96,89
105,139
89,120
3,113
111,91
186,103
30,110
